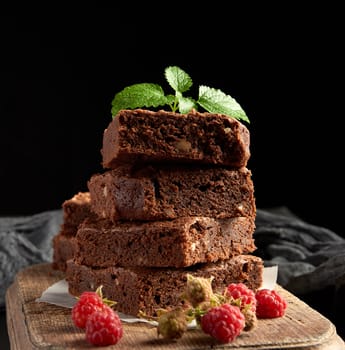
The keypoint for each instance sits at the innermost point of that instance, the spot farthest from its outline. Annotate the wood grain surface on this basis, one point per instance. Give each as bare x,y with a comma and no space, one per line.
37,325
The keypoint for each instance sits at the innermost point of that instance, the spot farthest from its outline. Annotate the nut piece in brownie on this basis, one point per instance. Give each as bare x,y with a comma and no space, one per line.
180,242
148,289
75,211
167,192
201,138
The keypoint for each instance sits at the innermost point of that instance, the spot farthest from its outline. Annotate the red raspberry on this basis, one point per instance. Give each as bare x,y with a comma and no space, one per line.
269,304
85,306
224,322
103,327
239,291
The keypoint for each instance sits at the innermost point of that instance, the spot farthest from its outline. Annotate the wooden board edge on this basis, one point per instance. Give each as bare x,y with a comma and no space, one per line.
16,324
20,338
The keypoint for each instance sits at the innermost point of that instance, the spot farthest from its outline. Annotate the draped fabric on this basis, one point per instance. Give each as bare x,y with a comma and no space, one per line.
25,241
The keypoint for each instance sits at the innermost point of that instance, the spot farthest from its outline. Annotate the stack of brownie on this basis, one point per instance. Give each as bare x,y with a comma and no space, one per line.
175,198
75,211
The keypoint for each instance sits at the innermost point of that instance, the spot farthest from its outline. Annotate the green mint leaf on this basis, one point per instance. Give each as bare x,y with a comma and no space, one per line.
186,104
137,96
152,95
171,99
216,101
178,79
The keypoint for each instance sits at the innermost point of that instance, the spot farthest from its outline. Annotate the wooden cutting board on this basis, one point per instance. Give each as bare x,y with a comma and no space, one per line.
35,325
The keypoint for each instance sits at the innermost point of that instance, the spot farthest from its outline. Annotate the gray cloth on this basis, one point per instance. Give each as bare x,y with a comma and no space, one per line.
25,241
309,257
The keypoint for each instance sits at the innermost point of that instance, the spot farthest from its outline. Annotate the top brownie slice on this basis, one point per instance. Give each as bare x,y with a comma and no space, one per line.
200,138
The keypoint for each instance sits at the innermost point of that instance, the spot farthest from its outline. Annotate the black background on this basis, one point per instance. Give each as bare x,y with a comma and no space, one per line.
59,73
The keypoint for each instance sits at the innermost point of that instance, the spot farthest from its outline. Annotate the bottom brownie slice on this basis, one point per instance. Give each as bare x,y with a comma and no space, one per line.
147,289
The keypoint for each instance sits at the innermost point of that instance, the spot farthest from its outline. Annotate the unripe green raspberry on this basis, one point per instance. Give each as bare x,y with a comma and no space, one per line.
250,319
198,290
172,324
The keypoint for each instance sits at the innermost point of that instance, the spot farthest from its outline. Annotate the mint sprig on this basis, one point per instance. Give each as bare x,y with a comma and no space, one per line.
152,95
